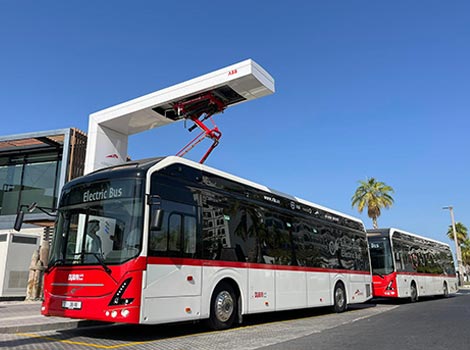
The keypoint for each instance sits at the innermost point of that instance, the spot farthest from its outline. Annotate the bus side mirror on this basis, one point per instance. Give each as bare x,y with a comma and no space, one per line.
19,220
157,219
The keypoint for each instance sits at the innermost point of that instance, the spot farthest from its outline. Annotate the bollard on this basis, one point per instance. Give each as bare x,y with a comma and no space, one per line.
43,259
37,267
37,281
30,291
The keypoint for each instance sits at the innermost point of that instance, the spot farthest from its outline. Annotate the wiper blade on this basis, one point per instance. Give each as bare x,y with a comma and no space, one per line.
379,274
99,259
54,264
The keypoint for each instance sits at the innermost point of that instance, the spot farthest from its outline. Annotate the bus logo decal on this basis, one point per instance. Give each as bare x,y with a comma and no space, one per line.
261,295
73,277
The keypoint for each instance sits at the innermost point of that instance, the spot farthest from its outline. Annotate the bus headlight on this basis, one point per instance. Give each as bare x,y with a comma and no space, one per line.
117,297
125,313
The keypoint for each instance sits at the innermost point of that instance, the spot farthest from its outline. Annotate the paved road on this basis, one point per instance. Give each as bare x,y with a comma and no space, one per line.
437,321
431,324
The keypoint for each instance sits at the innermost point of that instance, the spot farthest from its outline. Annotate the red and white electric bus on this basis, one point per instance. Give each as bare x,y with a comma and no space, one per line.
405,265
167,239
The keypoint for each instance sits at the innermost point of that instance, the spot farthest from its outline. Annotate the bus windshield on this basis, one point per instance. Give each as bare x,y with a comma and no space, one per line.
99,223
380,255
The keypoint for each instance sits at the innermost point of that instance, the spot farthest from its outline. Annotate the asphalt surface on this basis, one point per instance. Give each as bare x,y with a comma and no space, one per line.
258,331
431,324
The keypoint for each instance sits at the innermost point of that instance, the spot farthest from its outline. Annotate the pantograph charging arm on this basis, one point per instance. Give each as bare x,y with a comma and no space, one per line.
198,110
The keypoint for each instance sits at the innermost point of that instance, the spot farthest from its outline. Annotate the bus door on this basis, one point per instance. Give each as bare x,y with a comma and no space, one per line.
172,271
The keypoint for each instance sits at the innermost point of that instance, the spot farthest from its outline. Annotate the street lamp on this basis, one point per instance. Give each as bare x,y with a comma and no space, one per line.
457,245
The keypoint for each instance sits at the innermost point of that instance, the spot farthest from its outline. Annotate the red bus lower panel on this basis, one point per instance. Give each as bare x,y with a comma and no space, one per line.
385,286
89,292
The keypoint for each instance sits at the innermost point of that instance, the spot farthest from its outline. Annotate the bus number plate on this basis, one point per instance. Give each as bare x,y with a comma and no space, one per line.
71,305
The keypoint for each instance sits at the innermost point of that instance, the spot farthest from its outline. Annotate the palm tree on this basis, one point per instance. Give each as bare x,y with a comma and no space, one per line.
461,230
463,242
374,195
465,248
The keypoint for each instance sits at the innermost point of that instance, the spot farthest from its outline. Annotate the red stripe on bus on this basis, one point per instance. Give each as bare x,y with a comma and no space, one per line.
236,264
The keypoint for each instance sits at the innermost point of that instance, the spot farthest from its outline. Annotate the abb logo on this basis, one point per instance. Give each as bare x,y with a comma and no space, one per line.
232,72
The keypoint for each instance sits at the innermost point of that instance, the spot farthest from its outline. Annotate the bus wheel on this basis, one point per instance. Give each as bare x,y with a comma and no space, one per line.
446,290
223,307
339,296
413,293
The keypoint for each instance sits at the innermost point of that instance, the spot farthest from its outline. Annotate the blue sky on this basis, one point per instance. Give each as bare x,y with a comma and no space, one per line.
363,89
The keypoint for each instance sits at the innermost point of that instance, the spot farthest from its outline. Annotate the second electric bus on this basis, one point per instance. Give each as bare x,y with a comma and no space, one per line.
405,265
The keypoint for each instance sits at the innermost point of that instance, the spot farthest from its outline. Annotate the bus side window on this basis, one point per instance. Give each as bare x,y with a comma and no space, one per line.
400,262
158,240
174,233
189,235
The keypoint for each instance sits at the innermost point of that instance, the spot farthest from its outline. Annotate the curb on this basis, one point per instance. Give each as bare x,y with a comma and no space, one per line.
54,326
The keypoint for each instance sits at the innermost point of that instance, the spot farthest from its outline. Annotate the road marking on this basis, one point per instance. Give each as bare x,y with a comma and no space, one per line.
249,337
92,345
100,346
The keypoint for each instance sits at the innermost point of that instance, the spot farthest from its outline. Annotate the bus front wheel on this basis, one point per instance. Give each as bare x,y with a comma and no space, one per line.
223,310
339,296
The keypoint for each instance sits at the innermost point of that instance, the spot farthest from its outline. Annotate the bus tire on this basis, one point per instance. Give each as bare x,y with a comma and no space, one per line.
339,298
445,290
413,292
223,308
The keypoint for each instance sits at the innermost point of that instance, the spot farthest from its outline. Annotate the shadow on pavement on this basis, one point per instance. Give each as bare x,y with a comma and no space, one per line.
139,333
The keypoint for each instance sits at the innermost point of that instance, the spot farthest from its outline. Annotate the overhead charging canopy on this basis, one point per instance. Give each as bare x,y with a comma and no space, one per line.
196,100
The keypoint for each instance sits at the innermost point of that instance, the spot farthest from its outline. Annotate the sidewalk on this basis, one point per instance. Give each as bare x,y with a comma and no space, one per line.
24,316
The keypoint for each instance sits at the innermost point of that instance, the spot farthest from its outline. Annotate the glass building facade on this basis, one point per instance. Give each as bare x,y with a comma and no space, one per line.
33,169
27,178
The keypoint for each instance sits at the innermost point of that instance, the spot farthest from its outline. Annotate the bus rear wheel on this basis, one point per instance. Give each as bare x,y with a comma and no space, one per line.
223,309
413,293
445,290
339,296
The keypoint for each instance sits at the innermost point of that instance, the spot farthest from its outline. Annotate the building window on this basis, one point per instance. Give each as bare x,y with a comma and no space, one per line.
29,178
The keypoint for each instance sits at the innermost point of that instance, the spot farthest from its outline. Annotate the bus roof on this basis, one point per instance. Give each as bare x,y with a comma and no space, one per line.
174,160
138,167
129,169
391,230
